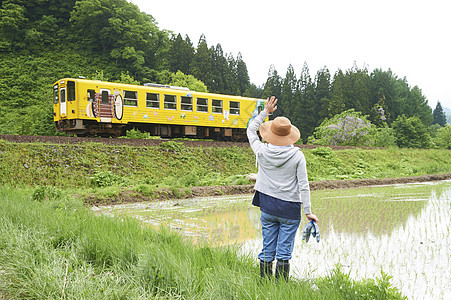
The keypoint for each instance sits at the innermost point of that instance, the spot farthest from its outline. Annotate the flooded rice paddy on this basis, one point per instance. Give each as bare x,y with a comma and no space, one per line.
402,230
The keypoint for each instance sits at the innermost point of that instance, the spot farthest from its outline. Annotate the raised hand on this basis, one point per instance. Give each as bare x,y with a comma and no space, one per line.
271,106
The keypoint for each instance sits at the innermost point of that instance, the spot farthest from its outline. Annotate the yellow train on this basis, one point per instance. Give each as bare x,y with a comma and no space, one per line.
90,107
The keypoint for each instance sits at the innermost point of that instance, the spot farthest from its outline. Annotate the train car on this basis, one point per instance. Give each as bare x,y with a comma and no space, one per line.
98,108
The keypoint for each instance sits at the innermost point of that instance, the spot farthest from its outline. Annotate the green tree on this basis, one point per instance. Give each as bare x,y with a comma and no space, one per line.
273,85
12,23
305,113
356,89
286,101
253,91
439,115
322,94
231,86
411,132
419,106
118,29
202,64
337,102
219,70
382,92
189,81
401,92
181,53
242,74
361,96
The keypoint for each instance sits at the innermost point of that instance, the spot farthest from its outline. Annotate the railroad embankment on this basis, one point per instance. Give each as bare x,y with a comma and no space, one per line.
118,170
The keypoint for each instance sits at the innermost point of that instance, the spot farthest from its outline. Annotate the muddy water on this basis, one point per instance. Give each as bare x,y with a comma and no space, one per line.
404,230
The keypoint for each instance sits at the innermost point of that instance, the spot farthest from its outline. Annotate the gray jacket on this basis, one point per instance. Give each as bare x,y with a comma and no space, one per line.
282,171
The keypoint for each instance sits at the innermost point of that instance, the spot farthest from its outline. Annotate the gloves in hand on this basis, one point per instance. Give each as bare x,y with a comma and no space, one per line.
311,229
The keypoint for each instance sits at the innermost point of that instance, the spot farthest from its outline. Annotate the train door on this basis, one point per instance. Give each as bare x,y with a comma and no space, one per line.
105,105
56,103
63,109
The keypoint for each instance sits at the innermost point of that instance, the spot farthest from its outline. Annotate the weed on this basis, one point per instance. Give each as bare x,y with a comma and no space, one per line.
136,134
146,189
172,146
103,179
46,193
176,191
325,152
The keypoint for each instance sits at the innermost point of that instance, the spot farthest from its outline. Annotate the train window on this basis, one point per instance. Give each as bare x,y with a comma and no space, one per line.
152,100
187,103
234,108
130,98
91,95
105,95
71,90
55,94
216,106
202,104
170,102
63,95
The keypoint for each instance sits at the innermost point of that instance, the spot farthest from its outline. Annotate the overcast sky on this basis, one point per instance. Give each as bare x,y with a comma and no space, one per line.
412,38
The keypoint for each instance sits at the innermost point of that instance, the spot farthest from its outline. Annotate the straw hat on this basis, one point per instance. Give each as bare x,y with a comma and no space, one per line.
279,132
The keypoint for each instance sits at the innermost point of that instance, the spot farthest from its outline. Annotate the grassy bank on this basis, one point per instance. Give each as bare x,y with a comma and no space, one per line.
174,165
57,249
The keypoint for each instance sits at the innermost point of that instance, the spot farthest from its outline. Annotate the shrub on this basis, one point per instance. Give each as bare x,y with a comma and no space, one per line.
411,132
384,137
443,138
350,128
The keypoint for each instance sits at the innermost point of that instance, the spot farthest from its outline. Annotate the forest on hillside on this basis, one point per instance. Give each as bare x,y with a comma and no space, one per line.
43,41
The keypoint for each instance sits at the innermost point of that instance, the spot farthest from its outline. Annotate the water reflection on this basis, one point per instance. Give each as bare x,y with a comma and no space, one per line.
216,221
403,230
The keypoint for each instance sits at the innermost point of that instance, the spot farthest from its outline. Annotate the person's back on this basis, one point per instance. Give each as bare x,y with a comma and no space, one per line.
281,188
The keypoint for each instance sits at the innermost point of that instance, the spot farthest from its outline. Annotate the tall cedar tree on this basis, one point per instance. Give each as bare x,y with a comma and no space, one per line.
336,104
202,64
322,94
286,99
439,115
181,53
242,74
382,90
219,69
273,85
231,81
307,115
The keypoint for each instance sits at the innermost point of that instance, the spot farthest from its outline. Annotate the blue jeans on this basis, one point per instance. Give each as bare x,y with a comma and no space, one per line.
278,237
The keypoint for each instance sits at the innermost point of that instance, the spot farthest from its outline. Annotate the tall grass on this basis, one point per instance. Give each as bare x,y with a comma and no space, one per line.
50,251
